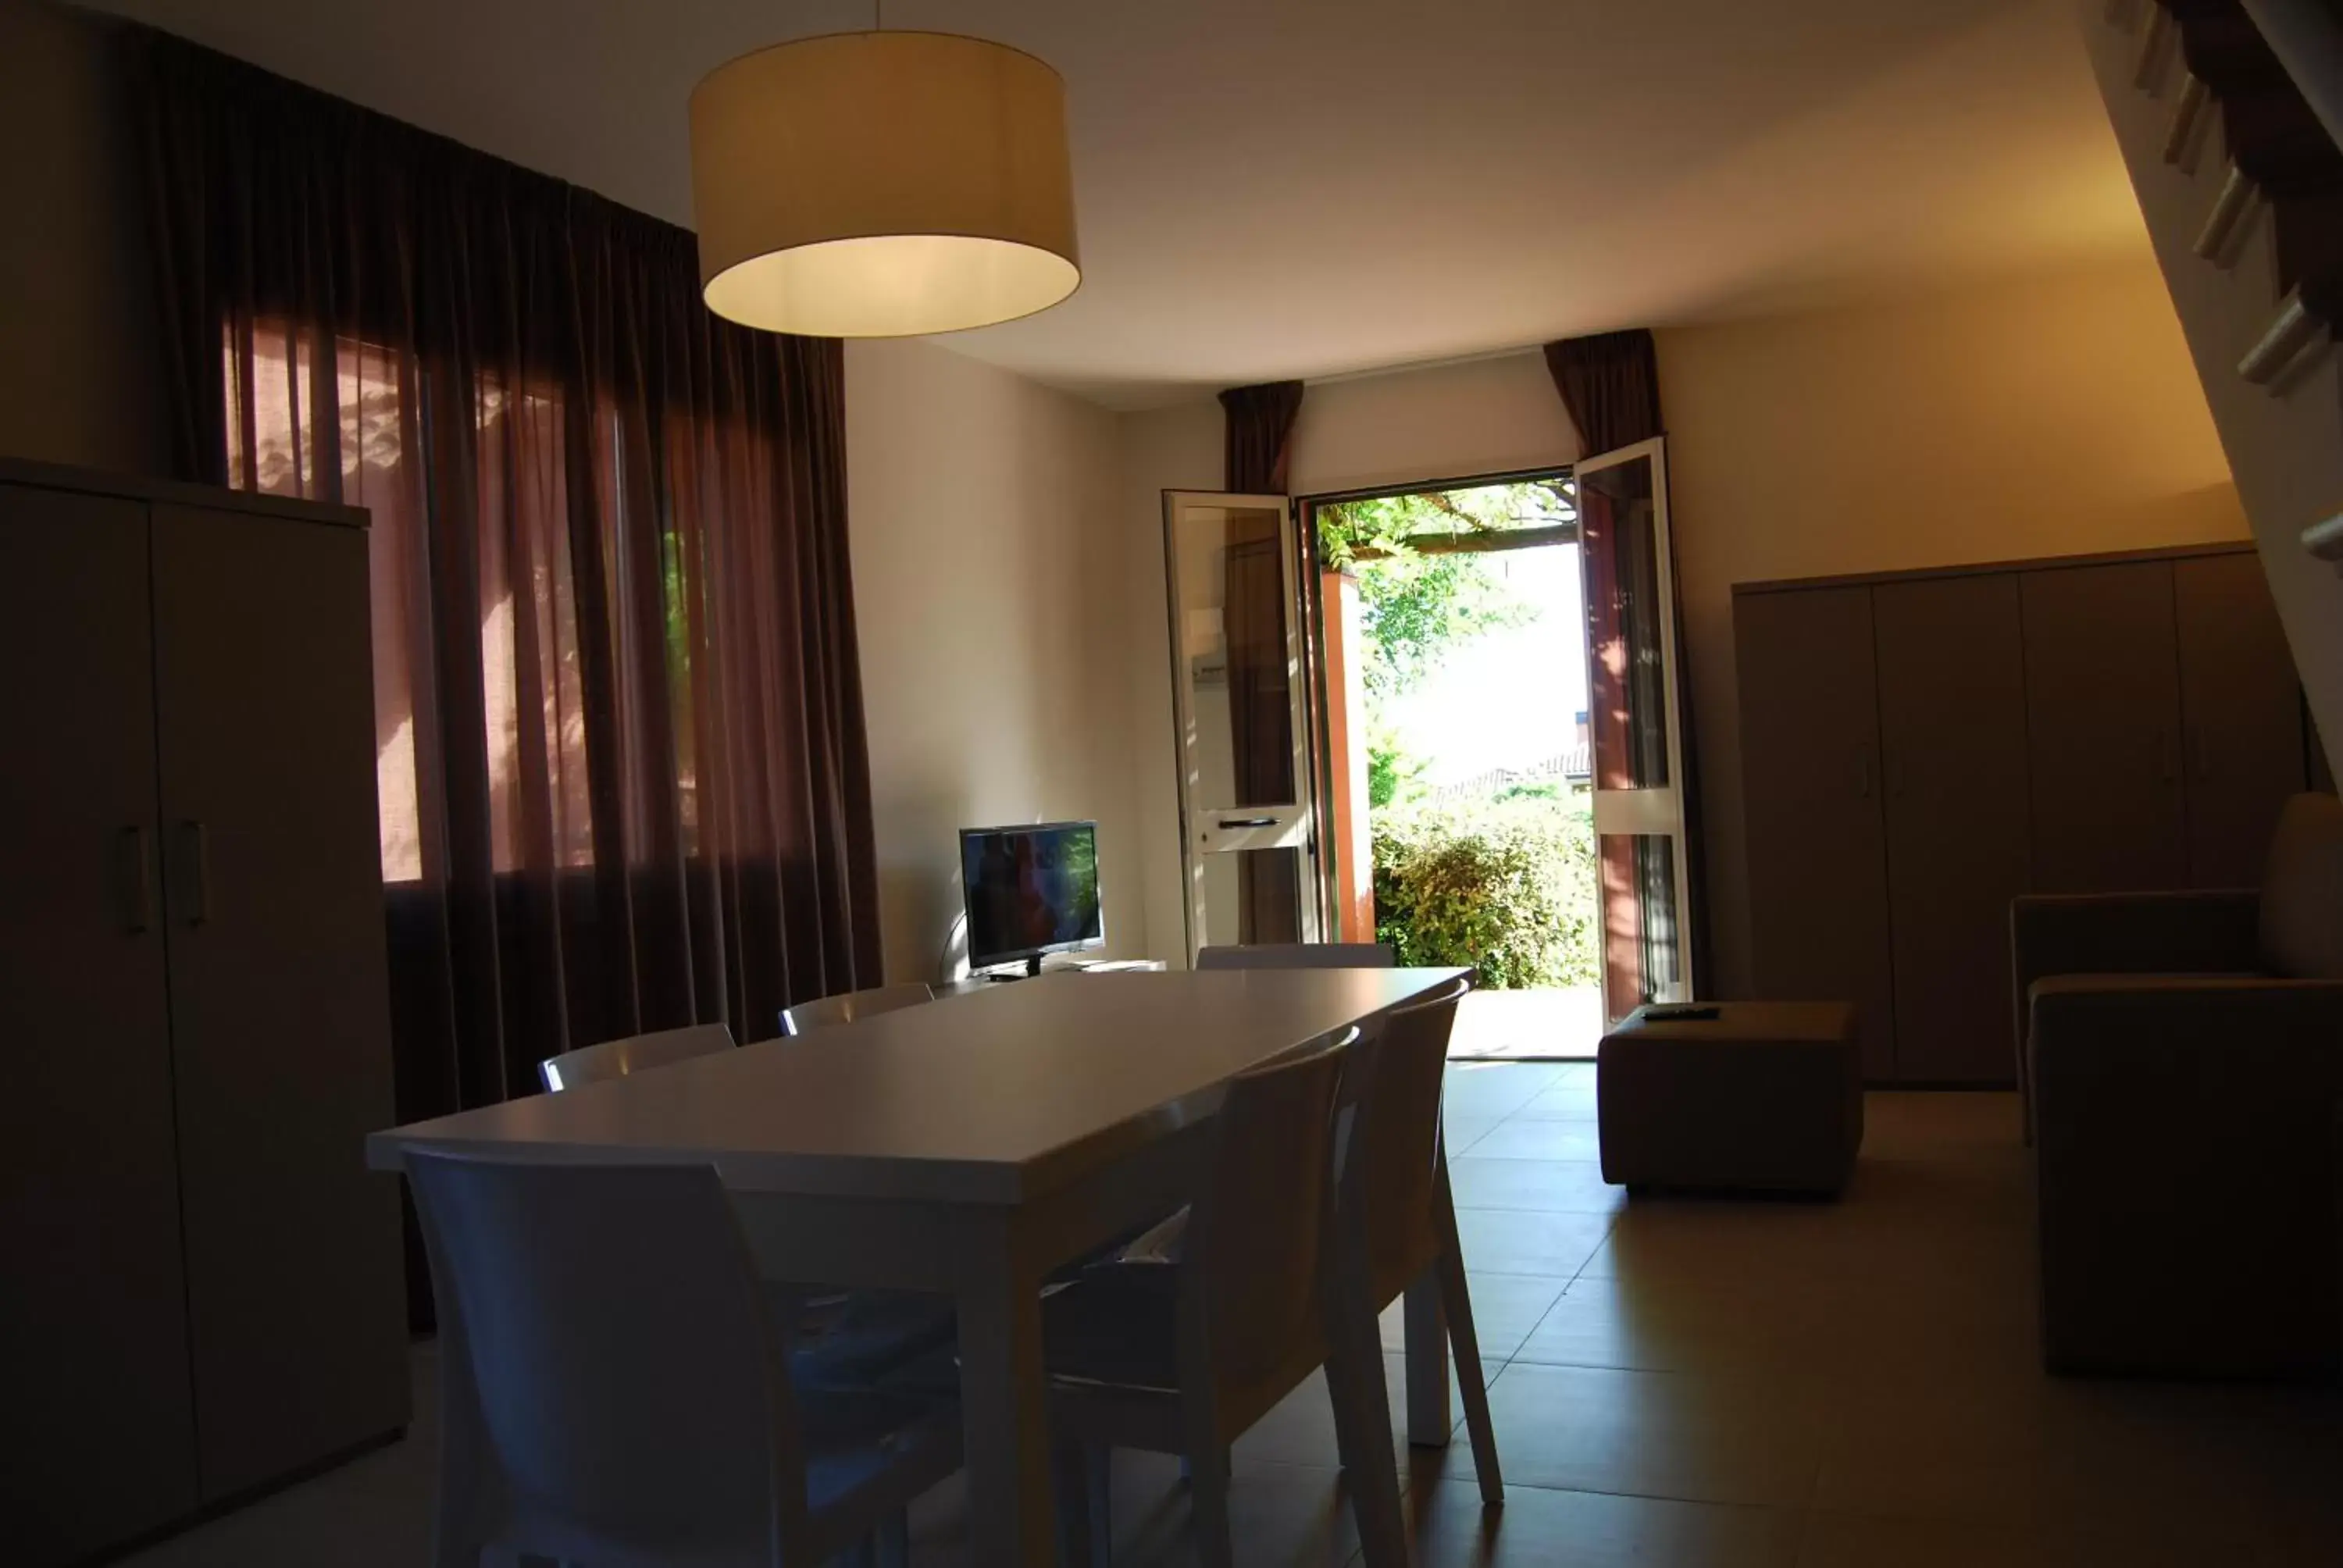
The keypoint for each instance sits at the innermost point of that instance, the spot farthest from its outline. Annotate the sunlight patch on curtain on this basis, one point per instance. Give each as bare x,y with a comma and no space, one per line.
344,434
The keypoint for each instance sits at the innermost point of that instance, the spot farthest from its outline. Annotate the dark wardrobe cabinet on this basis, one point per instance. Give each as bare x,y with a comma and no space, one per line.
1918,749
1808,683
204,1279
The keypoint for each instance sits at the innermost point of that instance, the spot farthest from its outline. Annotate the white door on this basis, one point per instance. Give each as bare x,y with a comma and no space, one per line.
1635,727
1240,703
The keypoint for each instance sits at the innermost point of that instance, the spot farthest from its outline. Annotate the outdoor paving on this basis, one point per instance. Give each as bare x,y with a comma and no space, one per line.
1528,1025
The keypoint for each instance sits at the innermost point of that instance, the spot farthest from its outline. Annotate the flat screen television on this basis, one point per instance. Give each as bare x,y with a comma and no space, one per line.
1031,891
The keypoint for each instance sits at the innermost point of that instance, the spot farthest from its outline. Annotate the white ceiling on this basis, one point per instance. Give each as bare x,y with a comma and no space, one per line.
1301,187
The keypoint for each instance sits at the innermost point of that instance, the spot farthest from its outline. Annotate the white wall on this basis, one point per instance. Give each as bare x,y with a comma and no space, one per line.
2052,415
1447,421
2043,416
990,597
1176,449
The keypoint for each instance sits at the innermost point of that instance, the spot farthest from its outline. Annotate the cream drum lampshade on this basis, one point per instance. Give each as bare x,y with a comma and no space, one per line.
882,185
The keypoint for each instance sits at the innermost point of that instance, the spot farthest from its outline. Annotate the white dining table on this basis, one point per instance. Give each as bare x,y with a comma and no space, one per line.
969,1147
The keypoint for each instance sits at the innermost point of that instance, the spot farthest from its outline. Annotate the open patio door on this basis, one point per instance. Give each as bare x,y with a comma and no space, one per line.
1635,727
1240,702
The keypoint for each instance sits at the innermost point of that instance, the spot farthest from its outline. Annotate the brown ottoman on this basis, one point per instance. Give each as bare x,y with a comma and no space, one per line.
1765,1097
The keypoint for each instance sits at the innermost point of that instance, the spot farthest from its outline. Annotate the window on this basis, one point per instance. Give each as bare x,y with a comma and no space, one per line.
345,424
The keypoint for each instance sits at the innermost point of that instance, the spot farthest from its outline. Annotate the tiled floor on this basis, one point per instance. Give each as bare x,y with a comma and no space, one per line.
1775,1385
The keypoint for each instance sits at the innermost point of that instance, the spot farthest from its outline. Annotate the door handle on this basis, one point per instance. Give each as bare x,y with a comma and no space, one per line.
138,880
196,856
1246,822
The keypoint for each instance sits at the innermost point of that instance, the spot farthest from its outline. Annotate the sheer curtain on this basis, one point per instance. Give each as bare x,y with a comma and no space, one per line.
621,760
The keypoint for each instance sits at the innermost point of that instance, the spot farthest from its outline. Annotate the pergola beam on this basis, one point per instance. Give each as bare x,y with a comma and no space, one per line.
1473,544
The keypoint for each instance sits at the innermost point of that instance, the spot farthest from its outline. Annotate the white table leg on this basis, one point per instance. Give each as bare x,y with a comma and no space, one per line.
1430,1419
1004,1400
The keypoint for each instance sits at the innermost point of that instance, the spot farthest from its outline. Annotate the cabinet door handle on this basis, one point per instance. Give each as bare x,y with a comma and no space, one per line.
1863,777
138,880
198,857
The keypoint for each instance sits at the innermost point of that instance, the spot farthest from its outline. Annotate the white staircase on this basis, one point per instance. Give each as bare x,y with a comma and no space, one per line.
2250,239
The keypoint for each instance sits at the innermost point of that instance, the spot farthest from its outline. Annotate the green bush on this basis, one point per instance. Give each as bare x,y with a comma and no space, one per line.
1505,888
1394,778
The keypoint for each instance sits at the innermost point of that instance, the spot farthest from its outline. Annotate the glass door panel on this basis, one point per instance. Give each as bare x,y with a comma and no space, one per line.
1239,700
1635,729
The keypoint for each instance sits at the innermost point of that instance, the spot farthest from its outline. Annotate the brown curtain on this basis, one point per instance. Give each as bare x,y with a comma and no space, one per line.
1260,715
1610,384
1260,441
621,770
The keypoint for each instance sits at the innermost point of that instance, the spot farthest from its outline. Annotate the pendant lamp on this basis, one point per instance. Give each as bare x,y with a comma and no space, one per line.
882,185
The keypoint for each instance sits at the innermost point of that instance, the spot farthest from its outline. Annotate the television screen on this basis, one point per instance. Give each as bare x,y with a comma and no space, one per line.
1031,891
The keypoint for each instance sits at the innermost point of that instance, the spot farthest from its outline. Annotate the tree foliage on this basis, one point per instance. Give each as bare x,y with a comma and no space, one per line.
1415,606
1416,609
1394,774
1504,887
1381,525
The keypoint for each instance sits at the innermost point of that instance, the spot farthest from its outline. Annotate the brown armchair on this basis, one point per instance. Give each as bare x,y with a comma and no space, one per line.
2181,1056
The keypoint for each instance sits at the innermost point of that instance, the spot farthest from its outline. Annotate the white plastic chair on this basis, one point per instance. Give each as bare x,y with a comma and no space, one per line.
845,1338
849,1006
635,1053
1398,1217
1297,956
1183,1358
1395,1216
615,1390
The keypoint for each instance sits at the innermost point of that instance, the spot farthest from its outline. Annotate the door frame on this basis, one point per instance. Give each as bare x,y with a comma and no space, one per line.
1666,811
1308,570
